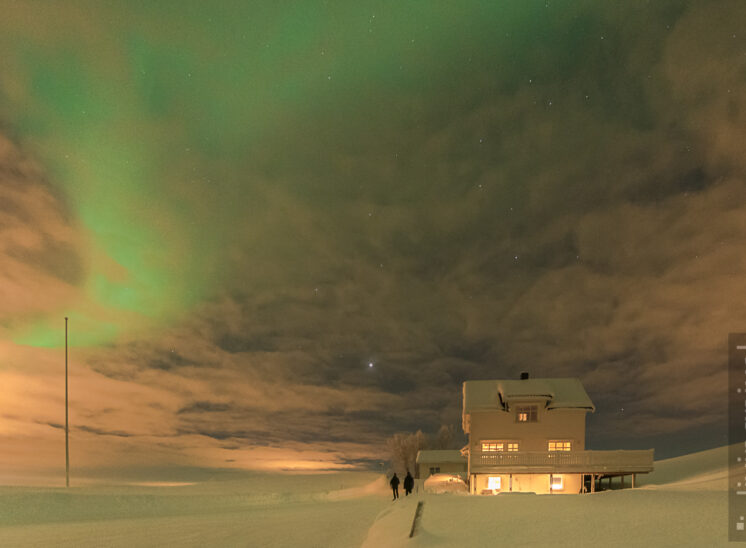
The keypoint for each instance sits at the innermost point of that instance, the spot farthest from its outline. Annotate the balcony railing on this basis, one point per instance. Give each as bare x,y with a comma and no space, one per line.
563,461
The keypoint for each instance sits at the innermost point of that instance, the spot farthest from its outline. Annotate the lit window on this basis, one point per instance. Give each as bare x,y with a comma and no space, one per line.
560,446
493,446
493,483
513,446
556,482
526,413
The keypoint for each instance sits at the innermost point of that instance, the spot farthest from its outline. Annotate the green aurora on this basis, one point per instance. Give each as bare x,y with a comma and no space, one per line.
159,137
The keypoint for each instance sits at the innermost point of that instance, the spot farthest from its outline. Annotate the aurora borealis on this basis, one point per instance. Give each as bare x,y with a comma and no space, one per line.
240,206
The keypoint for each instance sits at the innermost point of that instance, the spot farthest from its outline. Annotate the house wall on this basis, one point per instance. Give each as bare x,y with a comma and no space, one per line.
527,483
555,424
445,468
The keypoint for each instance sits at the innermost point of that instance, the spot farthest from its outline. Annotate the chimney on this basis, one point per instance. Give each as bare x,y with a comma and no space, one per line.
524,375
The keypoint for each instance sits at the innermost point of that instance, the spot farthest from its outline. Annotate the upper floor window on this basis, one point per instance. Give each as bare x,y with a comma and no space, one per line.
490,445
526,413
560,446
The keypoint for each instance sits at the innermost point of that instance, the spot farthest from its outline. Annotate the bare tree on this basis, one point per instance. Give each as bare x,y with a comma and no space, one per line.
403,449
445,438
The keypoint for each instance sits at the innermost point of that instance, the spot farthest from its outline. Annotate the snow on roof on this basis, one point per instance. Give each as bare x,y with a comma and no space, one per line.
567,393
436,456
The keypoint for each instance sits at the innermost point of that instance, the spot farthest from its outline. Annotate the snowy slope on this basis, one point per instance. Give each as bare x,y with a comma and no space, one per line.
706,470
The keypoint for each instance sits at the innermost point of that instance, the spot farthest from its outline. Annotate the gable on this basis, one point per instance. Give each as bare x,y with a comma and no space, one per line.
560,393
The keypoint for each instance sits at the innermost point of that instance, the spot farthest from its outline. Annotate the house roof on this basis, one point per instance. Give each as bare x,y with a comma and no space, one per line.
436,456
566,393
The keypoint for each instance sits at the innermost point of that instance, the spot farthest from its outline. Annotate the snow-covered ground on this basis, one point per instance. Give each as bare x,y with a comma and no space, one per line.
323,510
683,503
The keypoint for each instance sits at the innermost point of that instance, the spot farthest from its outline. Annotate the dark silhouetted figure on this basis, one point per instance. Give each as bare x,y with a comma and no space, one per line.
408,484
395,486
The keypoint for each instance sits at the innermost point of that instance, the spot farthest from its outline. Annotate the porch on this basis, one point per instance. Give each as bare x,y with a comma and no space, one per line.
598,463
582,469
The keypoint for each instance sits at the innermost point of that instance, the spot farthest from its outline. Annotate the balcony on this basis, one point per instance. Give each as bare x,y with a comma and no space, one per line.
544,462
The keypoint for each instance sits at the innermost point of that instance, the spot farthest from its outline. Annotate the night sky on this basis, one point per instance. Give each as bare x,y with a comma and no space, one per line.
242,207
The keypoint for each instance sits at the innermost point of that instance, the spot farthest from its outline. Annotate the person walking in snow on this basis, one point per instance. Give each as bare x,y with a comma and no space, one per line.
395,486
408,484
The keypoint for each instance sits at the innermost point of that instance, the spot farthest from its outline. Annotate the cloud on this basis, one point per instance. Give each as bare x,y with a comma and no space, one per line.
569,204
99,432
39,243
204,407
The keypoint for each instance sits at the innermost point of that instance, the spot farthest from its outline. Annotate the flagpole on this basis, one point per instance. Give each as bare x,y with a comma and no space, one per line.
67,442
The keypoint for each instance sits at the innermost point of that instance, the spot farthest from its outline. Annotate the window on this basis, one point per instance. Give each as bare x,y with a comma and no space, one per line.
493,483
555,482
526,413
497,446
434,470
560,446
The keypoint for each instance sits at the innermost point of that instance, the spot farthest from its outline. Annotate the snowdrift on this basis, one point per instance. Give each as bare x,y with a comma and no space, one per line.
445,483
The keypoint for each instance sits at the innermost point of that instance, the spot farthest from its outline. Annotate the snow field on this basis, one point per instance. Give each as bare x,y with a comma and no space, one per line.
683,503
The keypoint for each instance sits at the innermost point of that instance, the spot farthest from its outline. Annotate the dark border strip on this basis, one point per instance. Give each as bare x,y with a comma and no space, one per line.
417,515
737,437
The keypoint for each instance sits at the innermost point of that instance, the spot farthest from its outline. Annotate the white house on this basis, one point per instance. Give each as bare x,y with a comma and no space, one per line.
529,435
440,461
